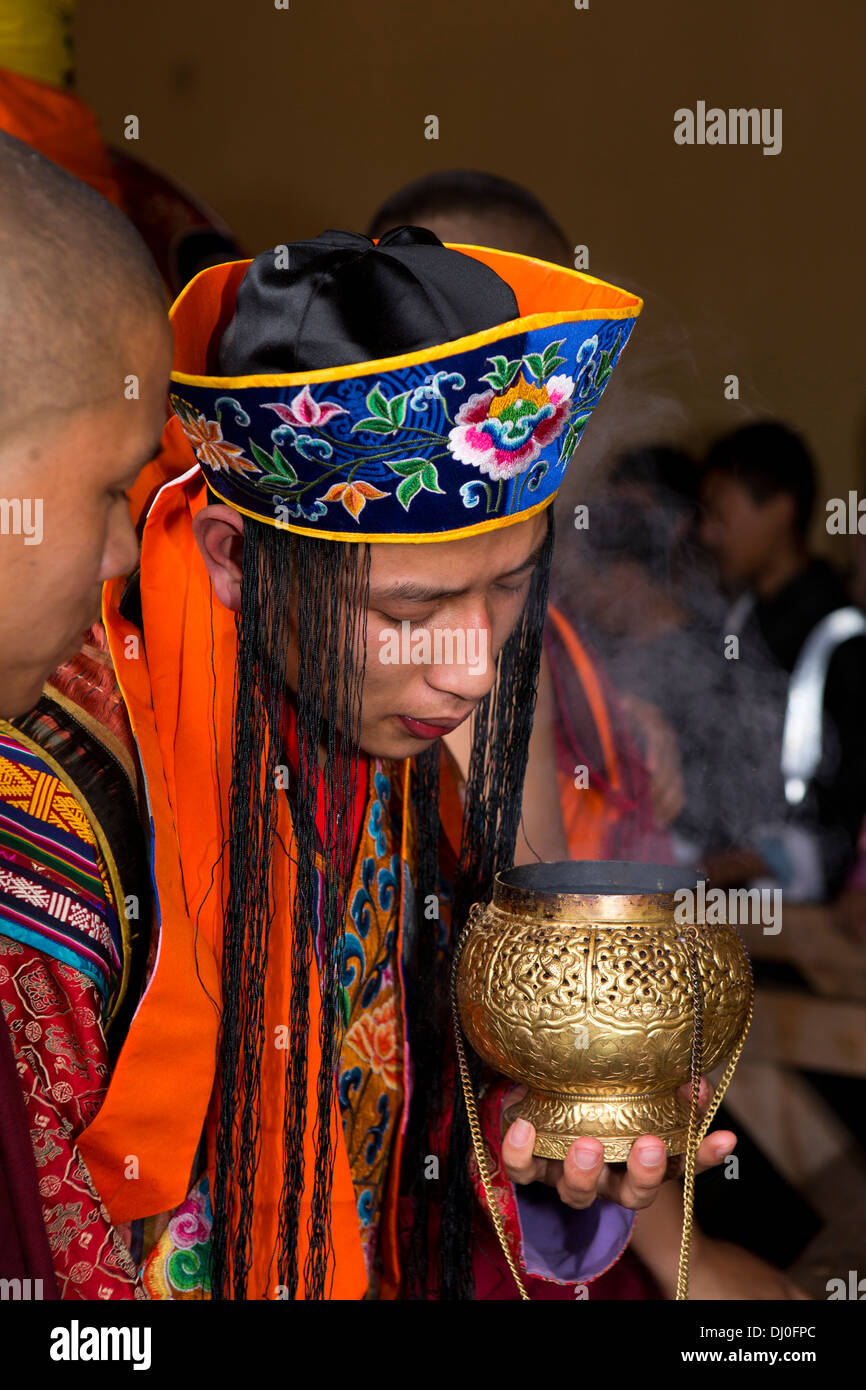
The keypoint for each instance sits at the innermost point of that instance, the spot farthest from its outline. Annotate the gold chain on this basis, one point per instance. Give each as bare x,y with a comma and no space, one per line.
697,1133
472,1113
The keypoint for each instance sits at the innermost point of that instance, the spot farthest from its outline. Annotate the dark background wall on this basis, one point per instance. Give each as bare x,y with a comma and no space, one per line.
289,121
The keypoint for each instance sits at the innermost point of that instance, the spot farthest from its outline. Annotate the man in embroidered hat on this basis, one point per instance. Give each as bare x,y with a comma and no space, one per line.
366,445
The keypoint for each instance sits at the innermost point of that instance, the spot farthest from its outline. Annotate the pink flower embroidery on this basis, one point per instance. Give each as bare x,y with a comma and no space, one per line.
305,411
504,434
190,1226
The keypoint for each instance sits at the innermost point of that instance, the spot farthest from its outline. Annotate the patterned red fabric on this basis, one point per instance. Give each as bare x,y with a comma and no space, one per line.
53,1015
88,680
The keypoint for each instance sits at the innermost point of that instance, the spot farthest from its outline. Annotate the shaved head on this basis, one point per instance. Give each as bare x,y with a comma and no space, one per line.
85,354
74,276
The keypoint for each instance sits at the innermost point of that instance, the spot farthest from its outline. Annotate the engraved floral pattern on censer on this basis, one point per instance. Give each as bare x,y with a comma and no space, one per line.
596,1017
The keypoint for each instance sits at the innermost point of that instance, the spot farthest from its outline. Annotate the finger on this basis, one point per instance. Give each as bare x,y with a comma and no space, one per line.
513,1095
715,1149
518,1160
637,1184
705,1094
577,1183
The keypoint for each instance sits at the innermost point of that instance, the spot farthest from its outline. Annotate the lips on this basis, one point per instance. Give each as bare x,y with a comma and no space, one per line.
422,729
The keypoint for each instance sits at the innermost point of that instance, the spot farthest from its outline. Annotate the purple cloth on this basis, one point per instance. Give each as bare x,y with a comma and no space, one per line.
567,1245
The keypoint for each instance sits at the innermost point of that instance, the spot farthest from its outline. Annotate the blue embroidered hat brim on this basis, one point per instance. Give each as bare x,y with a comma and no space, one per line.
449,441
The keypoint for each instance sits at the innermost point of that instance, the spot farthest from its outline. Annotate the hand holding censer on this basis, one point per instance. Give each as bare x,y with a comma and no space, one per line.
582,981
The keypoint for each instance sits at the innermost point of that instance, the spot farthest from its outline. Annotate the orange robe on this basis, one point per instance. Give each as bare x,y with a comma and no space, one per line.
179,696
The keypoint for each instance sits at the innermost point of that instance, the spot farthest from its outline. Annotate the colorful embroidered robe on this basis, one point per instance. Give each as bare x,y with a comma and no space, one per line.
68,969
178,684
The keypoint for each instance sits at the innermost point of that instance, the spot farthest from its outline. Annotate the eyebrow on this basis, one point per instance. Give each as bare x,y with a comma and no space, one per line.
424,593
137,467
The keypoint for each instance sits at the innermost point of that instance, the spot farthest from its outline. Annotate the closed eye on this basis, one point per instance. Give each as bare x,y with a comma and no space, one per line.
514,588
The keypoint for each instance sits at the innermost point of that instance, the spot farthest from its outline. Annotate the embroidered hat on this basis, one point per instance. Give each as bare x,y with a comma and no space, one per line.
398,390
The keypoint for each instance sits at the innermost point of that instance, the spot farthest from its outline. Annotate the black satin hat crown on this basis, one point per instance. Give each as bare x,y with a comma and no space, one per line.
339,298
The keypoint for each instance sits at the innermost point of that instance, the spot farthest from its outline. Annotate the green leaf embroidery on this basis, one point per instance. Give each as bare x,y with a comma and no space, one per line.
398,408
406,467
375,424
572,435
551,360
275,468
552,365
284,467
503,372
377,403
604,368
430,478
387,416
416,474
261,458
407,490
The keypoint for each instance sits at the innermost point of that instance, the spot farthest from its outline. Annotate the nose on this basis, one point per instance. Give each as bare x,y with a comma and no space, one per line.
121,552
463,661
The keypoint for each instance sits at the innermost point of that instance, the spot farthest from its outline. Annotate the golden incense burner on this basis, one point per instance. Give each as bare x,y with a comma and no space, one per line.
578,980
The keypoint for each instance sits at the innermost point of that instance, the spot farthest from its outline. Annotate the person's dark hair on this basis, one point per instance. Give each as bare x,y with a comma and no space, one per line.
768,458
470,191
656,532
326,583
668,473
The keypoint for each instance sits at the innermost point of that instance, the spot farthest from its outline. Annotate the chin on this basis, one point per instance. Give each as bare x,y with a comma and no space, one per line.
395,746
18,703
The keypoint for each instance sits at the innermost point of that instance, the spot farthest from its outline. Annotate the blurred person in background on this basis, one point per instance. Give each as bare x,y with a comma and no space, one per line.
644,602
799,679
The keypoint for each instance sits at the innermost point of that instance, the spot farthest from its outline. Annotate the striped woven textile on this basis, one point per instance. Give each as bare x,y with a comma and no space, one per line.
55,891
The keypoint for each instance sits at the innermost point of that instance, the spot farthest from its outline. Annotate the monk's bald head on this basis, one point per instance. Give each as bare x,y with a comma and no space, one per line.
77,288
82,312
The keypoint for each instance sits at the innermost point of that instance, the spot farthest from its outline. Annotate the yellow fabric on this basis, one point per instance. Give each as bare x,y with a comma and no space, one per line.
36,39
58,800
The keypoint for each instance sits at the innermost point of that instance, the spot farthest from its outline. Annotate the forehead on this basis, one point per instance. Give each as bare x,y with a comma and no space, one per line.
470,562
721,490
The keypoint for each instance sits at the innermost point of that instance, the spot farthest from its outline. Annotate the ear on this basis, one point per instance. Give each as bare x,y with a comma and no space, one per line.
219,534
